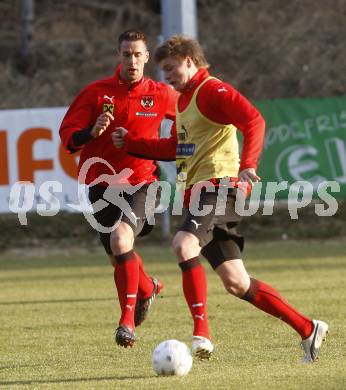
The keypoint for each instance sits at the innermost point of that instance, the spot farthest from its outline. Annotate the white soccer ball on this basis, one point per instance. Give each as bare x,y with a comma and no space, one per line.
172,357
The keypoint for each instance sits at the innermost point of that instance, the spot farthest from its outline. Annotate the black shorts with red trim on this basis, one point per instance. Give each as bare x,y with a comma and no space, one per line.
217,229
112,214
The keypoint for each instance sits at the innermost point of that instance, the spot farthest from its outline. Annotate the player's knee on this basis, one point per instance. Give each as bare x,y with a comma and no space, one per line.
178,246
121,240
118,243
236,287
185,245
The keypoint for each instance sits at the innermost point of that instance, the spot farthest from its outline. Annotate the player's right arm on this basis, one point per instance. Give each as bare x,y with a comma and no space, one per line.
80,124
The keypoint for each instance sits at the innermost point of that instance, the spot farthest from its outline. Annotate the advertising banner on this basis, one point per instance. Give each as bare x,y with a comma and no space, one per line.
30,152
305,141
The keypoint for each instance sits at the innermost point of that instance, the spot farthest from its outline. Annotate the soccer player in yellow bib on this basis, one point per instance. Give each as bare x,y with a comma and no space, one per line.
205,146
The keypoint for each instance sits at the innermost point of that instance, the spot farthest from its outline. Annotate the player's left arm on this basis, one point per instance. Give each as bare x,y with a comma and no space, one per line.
159,149
224,104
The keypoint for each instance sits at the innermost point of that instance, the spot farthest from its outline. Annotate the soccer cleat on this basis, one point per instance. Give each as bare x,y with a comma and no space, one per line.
311,345
143,305
201,347
124,336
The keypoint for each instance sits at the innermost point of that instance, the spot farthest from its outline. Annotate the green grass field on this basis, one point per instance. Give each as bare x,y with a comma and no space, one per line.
58,315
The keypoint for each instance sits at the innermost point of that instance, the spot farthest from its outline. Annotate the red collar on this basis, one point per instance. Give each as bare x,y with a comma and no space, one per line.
196,80
188,91
124,83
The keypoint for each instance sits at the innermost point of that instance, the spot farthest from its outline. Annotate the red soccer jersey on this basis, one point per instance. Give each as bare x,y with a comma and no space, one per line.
221,103
139,107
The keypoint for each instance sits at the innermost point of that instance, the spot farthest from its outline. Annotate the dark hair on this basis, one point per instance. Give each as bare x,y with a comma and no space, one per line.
132,35
181,47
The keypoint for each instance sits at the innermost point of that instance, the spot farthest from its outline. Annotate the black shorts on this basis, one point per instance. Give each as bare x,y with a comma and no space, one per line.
216,231
112,214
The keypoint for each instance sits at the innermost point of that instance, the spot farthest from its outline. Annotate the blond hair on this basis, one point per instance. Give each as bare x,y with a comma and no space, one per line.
181,47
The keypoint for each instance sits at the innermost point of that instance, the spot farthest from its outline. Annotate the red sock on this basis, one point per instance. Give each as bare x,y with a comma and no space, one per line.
118,284
269,300
126,280
195,292
145,284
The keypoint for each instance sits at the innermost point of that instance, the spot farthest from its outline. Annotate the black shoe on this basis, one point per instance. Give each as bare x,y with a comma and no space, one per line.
143,305
124,336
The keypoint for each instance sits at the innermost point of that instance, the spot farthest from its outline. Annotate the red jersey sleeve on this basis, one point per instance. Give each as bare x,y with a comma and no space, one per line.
172,97
161,149
221,103
80,115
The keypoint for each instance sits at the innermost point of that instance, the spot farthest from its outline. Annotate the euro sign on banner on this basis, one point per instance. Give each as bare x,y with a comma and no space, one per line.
305,141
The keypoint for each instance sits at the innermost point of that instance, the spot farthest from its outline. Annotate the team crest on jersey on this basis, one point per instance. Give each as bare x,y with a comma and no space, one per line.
147,102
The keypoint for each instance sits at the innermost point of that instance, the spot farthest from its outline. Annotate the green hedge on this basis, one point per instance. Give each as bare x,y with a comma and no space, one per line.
72,229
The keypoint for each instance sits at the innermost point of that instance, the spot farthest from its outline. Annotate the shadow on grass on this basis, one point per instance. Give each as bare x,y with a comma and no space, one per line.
4,303
27,259
72,380
51,277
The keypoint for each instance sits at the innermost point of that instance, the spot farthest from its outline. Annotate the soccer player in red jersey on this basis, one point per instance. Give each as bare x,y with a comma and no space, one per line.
206,151
139,103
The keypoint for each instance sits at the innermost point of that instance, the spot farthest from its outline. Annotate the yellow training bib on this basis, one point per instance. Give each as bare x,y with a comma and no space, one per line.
205,149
